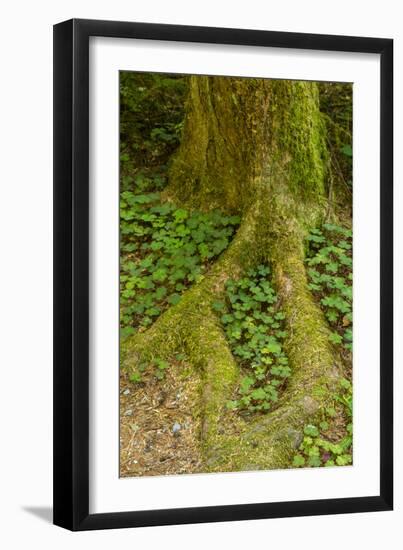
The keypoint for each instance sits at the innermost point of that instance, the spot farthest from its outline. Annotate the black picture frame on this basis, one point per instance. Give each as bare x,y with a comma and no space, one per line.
71,274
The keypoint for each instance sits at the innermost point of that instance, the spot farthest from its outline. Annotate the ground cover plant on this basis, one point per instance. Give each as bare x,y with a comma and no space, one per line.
254,327
166,249
326,443
329,261
330,265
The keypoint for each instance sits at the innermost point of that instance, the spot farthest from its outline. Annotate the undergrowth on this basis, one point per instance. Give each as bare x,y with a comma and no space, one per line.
330,442
151,117
329,261
165,249
156,368
329,264
254,326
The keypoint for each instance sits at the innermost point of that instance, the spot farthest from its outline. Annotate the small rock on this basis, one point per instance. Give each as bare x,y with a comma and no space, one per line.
129,412
176,428
126,392
295,437
309,404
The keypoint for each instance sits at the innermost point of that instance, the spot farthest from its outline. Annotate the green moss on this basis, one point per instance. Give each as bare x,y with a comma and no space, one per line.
270,442
298,137
210,169
242,132
191,326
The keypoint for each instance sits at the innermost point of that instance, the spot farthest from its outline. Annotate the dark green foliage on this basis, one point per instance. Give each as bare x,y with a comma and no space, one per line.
321,446
336,104
164,250
157,367
151,115
329,266
254,326
329,261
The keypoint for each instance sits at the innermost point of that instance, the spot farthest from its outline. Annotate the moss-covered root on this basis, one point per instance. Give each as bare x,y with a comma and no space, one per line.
269,442
315,369
192,327
178,323
208,349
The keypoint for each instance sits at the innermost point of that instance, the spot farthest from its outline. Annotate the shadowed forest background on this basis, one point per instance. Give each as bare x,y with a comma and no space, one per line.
236,274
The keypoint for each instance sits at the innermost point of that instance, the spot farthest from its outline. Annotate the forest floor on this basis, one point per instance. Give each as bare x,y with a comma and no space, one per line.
164,250
159,430
161,423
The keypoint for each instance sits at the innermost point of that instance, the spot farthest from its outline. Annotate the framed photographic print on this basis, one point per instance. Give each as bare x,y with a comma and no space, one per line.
223,274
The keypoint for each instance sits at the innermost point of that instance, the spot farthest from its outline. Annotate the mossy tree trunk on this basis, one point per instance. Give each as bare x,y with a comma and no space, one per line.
255,147
244,134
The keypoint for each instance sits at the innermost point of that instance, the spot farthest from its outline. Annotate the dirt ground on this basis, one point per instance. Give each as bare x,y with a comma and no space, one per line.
160,424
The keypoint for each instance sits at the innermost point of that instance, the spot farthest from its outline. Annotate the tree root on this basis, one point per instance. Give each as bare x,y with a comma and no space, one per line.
173,328
193,327
269,441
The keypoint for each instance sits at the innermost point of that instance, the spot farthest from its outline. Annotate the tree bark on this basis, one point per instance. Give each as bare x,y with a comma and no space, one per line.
240,134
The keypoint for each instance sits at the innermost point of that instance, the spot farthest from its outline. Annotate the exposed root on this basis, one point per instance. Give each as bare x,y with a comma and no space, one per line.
266,442
192,326
269,442
173,328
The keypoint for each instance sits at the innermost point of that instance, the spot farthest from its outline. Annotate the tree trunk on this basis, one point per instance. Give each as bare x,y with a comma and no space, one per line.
244,134
253,147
